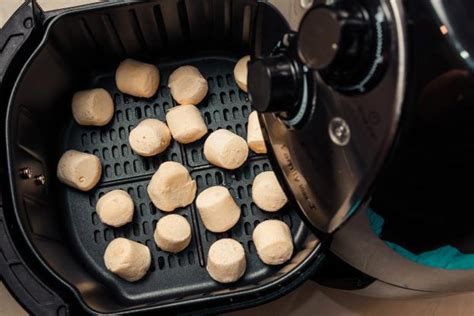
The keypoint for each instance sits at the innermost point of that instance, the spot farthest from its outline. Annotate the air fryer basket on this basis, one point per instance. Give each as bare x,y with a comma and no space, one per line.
81,50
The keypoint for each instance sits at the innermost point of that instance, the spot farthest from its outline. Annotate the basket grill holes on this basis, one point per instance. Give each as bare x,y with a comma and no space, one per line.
118,169
232,192
223,97
152,265
84,139
251,246
191,258
209,236
245,111
247,228
181,261
217,116
130,192
108,171
108,234
220,82
92,200
150,244
148,111
266,167
245,210
115,152
127,168
152,208
101,194
113,135
207,117
230,79
119,116
243,97
103,136
219,178
142,209
124,150
146,227
167,106
239,130
97,236
94,138
253,208
199,182
256,170
240,192
157,109
130,127
141,192
136,165
174,157
209,181
106,154
128,114
249,190
235,110
213,99
255,223
122,133
161,263
138,113
146,164
237,230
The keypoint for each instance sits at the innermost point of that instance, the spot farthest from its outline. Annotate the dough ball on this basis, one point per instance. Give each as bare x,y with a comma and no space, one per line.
217,209
150,137
173,233
241,72
226,149
187,85
79,170
254,135
92,107
128,259
186,123
226,260
137,78
267,192
171,187
115,208
273,241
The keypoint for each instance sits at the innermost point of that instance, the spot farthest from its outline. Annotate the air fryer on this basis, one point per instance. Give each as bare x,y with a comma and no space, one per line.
328,77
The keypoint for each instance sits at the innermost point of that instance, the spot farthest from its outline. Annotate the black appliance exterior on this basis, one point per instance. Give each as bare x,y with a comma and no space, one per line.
32,281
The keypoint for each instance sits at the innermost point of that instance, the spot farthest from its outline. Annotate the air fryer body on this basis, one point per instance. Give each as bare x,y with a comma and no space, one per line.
368,111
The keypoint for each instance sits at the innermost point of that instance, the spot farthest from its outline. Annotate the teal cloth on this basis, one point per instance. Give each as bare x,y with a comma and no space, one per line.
446,257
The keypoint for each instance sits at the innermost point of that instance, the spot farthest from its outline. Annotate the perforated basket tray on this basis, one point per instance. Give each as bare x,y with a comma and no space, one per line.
171,276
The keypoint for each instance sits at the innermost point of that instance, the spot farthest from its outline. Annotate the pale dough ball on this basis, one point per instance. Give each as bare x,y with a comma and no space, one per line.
93,107
217,209
241,72
226,260
187,85
115,208
171,187
273,241
128,259
186,123
172,233
79,170
254,135
150,137
226,149
267,192
137,78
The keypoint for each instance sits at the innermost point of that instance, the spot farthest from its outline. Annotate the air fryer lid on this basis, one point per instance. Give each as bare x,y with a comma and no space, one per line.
330,95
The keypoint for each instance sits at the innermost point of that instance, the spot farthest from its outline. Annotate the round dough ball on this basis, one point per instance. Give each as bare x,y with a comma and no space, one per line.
217,209
254,135
92,107
267,192
172,233
150,137
128,259
137,78
171,187
186,123
241,72
115,208
226,260
187,85
79,170
273,241
226,149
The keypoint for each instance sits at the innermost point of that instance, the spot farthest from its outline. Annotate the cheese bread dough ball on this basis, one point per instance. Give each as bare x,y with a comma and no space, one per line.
217,209
150,137
171,187
226,260
254,135
115,208
79,170
273,241
241,72
187,85
267,192
226,149
172,233
137,79
93,107
128,259
186,123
